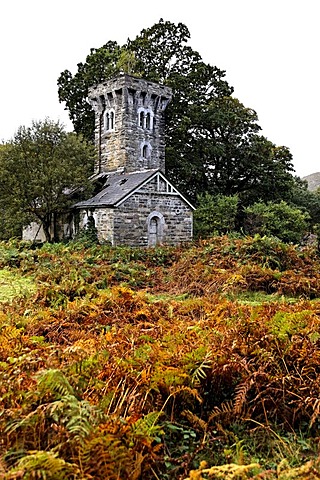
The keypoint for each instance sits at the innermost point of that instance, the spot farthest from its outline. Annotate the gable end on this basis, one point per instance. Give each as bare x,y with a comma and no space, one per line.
158,184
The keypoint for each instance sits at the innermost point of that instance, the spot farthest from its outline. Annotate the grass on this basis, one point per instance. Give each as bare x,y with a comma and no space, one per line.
258,298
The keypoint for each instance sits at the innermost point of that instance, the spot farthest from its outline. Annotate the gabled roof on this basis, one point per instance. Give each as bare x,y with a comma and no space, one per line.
117,187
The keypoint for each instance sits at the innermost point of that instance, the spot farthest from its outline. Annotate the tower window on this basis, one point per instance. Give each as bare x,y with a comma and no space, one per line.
145,118
141,119
109,120
145,151
146,154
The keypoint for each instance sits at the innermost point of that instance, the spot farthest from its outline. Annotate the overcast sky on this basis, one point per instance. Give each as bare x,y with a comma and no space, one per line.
268,48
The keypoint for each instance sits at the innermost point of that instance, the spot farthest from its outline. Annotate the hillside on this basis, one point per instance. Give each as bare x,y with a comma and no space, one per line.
170,363
313,181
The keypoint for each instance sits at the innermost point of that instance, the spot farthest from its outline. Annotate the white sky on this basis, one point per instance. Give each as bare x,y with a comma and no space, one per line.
269,49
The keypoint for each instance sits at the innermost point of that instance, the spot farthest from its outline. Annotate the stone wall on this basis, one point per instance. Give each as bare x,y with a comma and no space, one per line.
136,140
131,220
33,233
103,220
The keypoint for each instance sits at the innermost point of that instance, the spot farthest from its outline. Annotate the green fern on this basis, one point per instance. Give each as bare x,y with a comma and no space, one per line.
146,426
199,373
43,466
78,417
53,381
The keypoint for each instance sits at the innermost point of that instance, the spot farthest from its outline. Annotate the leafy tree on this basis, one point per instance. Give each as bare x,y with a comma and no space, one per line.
277,219
215,215
73,90
227,156
306,199
40,169
213,142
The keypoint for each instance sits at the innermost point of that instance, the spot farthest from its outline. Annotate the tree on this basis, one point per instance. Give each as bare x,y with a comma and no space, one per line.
281,220
41,171
306,200
212,141
215,215
221,152
102,63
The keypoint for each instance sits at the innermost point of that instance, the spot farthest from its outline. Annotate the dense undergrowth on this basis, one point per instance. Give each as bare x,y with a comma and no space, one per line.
196,362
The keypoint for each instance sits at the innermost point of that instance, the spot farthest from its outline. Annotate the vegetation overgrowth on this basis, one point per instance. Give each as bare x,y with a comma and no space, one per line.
191,362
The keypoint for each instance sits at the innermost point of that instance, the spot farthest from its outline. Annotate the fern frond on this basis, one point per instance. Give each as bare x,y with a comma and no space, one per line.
53,381
105,456
226,408
78,417
44,465
9,332
241,395
199,372
146,426
79,427
183,389
195,421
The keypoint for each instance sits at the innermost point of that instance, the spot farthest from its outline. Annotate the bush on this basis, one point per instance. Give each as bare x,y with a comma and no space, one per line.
215,215
281,220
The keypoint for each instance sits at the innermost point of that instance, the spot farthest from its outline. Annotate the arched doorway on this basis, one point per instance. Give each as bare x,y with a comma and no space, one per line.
155,229
153,232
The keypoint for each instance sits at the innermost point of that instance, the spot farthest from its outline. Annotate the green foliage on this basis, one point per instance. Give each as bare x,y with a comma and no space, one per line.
306,200
215,215
89,235
285,324
40,168
43,465
54,382
12,286
288,223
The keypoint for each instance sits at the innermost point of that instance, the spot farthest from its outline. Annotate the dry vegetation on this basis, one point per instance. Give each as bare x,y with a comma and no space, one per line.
169,363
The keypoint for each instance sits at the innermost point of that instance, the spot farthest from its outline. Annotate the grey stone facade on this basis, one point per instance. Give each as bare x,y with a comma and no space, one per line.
172,221
154,213
136,205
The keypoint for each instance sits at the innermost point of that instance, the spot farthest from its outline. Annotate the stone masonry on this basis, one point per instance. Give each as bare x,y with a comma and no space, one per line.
129,124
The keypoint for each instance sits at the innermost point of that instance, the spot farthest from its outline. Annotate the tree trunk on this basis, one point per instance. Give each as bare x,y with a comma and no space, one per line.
46,224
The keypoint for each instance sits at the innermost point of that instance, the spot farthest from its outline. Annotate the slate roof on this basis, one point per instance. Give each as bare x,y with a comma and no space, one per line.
115,187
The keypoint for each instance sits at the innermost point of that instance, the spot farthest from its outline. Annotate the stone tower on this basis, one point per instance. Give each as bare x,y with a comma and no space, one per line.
129,124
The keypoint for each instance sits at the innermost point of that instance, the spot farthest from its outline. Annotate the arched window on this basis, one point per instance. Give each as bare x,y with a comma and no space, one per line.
141,119
145,151
145,154
109,120
145,118
153,231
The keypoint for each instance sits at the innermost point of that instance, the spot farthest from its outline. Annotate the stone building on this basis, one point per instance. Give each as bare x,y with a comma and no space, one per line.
135,203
